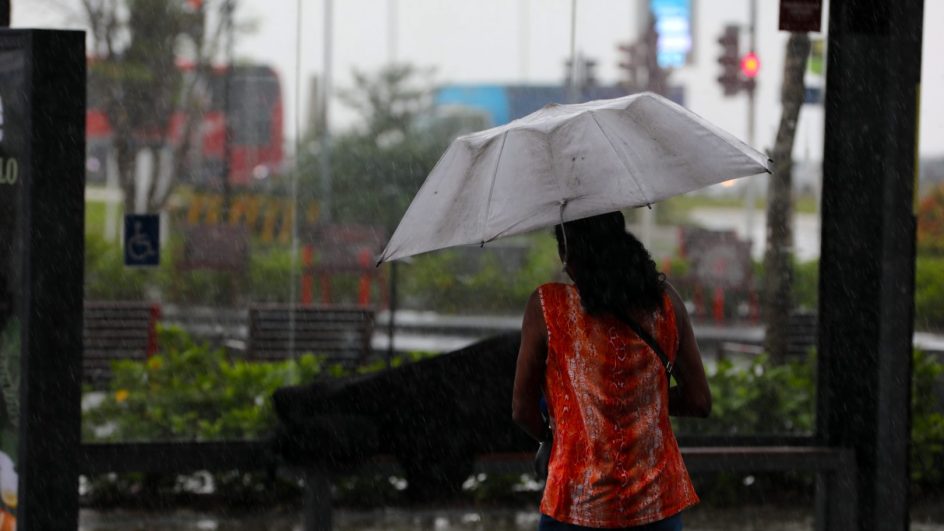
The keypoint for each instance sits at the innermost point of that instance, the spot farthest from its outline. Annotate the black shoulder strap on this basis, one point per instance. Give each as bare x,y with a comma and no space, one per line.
653,344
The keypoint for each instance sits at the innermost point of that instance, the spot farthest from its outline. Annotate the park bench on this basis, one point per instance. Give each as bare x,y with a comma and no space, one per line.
116,330
342,334
218,327
801,338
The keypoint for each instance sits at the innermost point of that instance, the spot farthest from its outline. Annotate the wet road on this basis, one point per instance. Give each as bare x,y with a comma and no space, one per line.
754,518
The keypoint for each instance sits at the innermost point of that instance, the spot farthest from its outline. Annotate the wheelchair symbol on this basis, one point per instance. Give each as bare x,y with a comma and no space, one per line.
140,247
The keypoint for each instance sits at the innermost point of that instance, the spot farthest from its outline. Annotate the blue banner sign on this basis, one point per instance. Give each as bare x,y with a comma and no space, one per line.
674,25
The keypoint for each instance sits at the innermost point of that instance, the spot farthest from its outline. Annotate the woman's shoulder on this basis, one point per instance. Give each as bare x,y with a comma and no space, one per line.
554,288
557,297
671,298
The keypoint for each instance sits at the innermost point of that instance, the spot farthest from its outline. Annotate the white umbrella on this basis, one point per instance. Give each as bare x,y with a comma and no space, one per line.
567,162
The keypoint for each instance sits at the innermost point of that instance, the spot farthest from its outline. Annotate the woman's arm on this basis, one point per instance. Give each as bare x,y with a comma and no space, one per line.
529,374
691,397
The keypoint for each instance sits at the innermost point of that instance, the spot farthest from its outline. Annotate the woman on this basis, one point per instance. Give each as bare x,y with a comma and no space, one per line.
614,460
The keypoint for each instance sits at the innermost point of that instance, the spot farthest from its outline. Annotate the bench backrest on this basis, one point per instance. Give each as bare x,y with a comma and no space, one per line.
116,331
341,334
801,334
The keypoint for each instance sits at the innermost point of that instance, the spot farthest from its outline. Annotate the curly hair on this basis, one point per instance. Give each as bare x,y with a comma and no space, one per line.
612,269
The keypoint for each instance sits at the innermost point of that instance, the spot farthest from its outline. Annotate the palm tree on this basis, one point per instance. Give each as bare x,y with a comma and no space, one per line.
778,261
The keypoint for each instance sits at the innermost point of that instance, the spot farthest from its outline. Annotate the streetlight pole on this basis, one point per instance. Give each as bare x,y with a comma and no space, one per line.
572,87
393,30
228,109
326,187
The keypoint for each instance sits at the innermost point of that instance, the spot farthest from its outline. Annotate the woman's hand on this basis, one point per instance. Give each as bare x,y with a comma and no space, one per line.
529,373
691,397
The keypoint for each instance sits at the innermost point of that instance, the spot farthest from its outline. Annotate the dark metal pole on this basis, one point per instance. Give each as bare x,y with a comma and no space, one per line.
866,290
5,13
228,108
49,138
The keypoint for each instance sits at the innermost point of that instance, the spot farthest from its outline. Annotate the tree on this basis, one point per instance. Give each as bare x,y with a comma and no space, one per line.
778,261
134,72
379,165
391,100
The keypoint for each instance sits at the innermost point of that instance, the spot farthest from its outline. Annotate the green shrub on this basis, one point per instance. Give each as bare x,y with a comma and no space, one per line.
269,278
931,222
927,422
107,277
806,285
761,398
929,293
442,282
192,392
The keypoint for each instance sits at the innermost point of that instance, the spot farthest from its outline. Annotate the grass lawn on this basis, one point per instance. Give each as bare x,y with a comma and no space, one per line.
95,217
804,204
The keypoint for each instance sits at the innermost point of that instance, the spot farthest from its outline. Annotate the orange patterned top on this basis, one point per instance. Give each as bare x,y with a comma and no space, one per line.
615,461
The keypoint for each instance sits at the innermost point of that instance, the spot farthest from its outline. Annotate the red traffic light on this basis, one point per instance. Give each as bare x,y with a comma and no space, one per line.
750,65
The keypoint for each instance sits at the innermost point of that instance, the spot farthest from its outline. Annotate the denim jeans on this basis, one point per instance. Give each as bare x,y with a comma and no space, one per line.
672,523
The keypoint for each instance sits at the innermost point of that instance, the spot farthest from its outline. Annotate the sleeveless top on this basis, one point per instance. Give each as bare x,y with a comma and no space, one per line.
614,461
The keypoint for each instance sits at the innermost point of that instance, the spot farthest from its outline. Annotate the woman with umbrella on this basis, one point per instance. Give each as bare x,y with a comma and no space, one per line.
615,462
602,352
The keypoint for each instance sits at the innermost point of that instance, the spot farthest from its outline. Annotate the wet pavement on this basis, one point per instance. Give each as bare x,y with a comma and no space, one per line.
753,518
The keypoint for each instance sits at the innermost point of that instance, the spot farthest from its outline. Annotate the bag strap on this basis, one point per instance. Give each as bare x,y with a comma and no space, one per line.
653,344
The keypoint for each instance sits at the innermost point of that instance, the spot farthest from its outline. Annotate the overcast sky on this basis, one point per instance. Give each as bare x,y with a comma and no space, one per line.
524,41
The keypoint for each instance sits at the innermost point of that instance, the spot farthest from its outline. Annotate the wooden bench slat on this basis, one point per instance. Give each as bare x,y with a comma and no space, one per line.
112,331
280,332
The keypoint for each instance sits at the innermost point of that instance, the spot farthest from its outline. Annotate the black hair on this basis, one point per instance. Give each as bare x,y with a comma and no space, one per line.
612,269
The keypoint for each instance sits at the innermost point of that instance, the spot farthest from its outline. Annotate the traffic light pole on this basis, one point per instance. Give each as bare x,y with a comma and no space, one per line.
750,197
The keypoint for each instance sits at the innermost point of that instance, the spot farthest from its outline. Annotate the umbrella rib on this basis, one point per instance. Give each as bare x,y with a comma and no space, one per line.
491,188
619,158
726,137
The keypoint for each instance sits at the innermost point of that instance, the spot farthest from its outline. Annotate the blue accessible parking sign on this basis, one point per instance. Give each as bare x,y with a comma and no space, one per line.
142,240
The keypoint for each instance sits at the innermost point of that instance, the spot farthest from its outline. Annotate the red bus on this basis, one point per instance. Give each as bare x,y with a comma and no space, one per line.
256,123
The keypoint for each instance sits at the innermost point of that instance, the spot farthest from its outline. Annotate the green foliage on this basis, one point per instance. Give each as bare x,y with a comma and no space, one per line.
761,398
929,289
192,392
374,182
390,100
929,293
10,356
445,281
765,399
931,223
270,275
378,166
107,278
806,285
927,421
96,216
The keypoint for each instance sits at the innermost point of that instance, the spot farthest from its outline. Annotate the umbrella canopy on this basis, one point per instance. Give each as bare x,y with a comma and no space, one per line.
567,162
